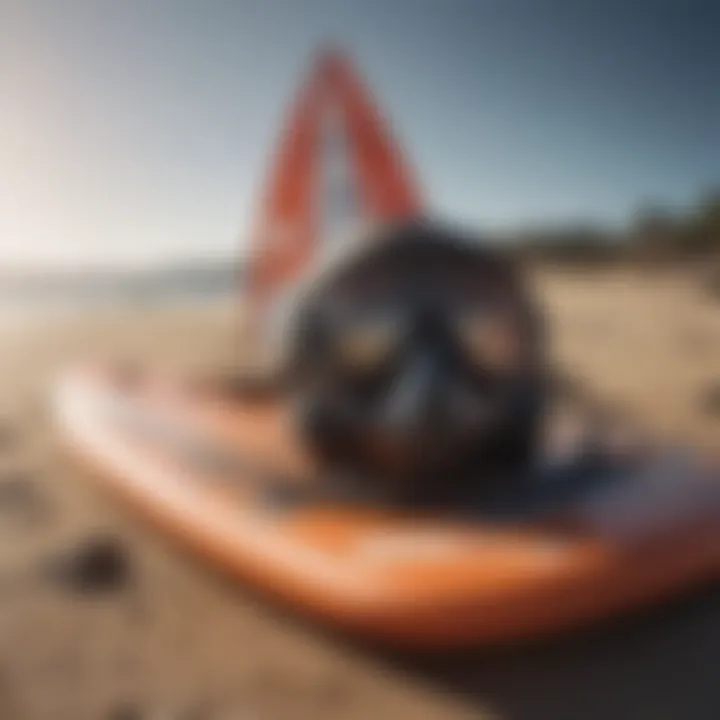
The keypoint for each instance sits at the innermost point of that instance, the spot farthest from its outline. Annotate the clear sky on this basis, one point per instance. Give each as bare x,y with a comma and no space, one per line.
136,131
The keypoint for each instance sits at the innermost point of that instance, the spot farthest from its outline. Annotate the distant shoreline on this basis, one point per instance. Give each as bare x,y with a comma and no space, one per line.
198,281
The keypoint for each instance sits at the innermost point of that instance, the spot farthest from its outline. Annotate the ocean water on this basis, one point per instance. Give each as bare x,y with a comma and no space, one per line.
26,307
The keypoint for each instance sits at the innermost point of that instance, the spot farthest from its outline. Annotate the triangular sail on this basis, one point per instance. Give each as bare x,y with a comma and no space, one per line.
337,166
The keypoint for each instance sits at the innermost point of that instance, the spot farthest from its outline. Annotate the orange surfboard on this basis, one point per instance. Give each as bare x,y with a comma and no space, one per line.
230,482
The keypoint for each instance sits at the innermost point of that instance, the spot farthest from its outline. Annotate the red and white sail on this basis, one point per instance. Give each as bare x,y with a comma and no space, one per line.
337,167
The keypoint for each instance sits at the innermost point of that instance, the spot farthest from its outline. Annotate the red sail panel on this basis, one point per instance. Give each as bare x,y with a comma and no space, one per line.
284,231
389,191
300,214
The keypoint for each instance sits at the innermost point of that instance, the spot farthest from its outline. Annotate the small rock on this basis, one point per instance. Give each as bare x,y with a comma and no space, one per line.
15,487
125,712
710,399
98,565
566,385
21,498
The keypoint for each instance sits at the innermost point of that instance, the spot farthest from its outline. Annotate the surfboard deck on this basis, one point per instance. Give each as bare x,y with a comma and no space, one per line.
228,480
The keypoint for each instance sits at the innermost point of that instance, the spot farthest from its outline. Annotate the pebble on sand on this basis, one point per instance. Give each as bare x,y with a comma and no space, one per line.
22,499
98,565
710,399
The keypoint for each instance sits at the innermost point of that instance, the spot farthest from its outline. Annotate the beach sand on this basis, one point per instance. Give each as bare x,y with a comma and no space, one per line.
164,636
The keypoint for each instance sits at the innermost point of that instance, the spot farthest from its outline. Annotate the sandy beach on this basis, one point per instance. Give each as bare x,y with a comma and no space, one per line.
167,637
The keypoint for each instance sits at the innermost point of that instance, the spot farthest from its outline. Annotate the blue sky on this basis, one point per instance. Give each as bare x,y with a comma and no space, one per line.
137,131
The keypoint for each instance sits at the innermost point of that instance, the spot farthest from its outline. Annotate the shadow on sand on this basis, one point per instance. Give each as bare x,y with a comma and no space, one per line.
658,664
661,665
